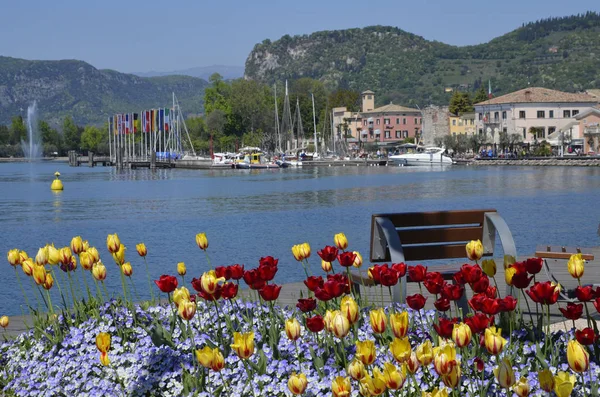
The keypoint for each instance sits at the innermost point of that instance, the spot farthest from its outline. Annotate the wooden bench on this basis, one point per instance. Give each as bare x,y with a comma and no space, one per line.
421,236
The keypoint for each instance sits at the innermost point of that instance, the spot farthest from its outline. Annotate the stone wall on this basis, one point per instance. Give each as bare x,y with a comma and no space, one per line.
435,123
582,162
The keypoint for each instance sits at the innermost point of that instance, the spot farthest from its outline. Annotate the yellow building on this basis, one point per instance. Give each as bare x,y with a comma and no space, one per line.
463,124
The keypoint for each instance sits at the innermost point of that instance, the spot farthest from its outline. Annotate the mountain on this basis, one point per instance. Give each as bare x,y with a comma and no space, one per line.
89,95
558,53
204,72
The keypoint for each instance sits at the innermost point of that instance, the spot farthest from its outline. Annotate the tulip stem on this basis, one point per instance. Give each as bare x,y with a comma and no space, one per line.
583,385
528,307
149,283
22,289
50,307
105,290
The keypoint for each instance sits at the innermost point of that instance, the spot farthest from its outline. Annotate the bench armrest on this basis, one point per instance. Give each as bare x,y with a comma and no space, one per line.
495,223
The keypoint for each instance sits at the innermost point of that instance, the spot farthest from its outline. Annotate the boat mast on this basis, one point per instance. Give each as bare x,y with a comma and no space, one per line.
277,132
314,122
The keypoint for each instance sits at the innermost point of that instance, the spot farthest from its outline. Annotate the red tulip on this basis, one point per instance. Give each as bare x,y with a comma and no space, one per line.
229,290
508,304
334,288
471,273
544,293
166,284
268,261
573,311
322,295
400,268
222,271
520,279
211,297
445,326
479,322
459,278
388,277
315,324
375,272
197,284
346,259
586,336
453,292
534,265
236,271
270,292
490,306
267,273
481,285
597,304
479,364
314,282
306,305
329,253
491,292
416,301
417,273
442,304
585,294
253,279
434,282
341,279
476,302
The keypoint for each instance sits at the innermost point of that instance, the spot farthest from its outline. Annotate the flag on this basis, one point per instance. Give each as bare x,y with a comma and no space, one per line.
161,123
127,123
115,125
490,95
110,125
152,121
143,121
135,118
166,120
119,124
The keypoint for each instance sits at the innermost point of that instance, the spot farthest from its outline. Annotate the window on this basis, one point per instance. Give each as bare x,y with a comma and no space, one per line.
575,113
387,134
397,121
566,114
541,132
551,114
403,121
551,130
365,122
521,114
504,130
453,122
496,115
504,115
378,121
524,133
416,121
541,114
480,116
386,121
398,134
405,133
481,131
369,97
472,121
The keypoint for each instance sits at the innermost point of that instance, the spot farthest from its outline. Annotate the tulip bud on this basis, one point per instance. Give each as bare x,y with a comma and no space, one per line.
494,342
358,260
328,319
205,356
340,325
297,383
104,360
119,255
86,245
49,282
113,243
443,358
340,241
365,351
452,378
356,369
372,386
378,320
186,310
76,245
23,256
546,380
27,266
103,342
401,349
218,361
504,374
576,265
53,255
412,364
181,294
489,267
563,384
349,307
424,353
42,256
243,344
522,388
210,282
39,274
99,271
181,269
127,269
341,387
86,259
65,255
399,324
461,334
394,379
292,329
202,241
474,250
94,253
141,249
14,258
326,266
4,321
577,356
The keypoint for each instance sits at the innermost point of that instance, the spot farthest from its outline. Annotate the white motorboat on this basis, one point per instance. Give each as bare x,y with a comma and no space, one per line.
423,156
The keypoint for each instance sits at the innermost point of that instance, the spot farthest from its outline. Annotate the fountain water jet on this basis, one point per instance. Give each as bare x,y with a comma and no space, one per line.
32,149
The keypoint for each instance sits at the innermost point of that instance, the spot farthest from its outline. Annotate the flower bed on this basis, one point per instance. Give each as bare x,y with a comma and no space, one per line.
215,343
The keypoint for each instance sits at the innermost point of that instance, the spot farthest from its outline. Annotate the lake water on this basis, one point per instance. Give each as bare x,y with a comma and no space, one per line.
249,214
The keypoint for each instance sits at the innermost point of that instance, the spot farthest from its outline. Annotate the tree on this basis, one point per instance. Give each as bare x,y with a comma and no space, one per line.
252,106
480,95
215,122
51,139
18,130
92,138
476,142
4,135
71,134
345,98
460,103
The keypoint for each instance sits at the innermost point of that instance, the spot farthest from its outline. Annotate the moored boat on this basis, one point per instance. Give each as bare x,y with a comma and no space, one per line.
423,156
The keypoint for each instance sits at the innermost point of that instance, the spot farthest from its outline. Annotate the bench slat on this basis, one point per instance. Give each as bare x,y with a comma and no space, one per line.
434,251
451,234
459,217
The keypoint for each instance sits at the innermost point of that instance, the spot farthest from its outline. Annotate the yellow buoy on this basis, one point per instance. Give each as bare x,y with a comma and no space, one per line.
57,183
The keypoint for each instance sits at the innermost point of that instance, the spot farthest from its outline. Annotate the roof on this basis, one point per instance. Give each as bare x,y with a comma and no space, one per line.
468,116
594,92
391,108
367,92
539,95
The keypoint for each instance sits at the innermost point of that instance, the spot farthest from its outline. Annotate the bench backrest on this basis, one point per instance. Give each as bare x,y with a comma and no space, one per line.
432,235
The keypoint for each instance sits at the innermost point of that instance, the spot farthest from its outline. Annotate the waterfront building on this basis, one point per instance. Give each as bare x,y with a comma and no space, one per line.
463,124
533,109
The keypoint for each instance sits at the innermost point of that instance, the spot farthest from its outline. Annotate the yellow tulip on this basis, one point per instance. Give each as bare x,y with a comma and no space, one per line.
424,353
23,256
180,294
509,273
394,378
443,392
39,274
474,250
49,282
399,324
119,255
378,320
202,241
297,383
375,385
576,265
349,307
99,271
103,342
461,334
494,342
181,269
113,243
94,253
127,269
4,321
86,245
65,255
326,266
489,267
522,388
444,357
341,387
365,351
563,384
504,374
53,255
27,266
77,245
546,380
340,325
452,378
14,258
186,310
340,241
104,360
292,329
243,344
86,259
42,256
413,364
358,259
218,361
301,251
205,356
141,249
356,369
577,356
328,319
210,281
401,349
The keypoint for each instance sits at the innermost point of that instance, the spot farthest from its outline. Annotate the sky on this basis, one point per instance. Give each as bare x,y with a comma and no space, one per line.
149,35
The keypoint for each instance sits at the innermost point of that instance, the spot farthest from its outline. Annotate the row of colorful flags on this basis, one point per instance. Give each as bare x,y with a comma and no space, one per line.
154,120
